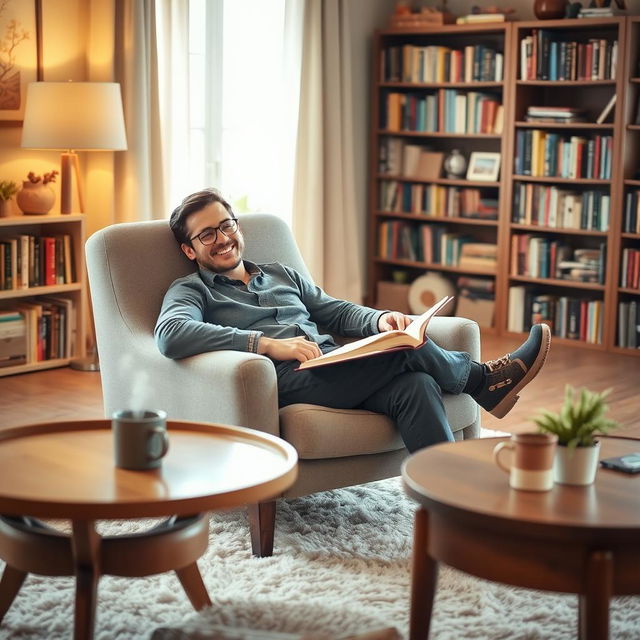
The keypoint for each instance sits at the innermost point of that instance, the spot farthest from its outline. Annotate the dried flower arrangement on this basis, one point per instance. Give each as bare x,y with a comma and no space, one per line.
8,189
46,178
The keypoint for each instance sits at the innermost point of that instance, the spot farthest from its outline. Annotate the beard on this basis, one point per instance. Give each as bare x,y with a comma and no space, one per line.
223,264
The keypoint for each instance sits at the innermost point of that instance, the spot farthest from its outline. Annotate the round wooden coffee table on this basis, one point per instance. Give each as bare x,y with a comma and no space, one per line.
583,540
66,470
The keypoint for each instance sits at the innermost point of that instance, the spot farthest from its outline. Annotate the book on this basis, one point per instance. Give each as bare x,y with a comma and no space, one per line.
413,337
605,112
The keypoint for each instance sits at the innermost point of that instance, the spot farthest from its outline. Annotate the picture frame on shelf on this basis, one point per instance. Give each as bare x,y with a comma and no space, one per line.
484,166
20,55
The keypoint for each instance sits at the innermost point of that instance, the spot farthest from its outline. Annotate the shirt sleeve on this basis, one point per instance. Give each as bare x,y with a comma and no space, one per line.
338,316
181,330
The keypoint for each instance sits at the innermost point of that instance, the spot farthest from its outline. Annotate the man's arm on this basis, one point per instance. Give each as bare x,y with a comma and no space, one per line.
181,330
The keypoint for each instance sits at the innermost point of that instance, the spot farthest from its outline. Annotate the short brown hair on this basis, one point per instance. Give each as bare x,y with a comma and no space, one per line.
191,204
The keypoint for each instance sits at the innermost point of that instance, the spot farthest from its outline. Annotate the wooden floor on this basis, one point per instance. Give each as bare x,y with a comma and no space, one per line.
63,394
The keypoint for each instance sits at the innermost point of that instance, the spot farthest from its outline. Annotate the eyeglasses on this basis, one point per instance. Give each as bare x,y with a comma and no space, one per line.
227,227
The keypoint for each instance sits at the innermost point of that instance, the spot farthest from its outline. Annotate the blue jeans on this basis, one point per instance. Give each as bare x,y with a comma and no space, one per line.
405,385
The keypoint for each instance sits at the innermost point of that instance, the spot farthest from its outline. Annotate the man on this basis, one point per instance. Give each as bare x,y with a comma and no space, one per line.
270,309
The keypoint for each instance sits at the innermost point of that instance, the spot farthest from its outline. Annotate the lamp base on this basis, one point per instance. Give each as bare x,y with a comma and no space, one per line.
90,363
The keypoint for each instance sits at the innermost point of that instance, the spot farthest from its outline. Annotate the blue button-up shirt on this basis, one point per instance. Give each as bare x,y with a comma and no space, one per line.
205,311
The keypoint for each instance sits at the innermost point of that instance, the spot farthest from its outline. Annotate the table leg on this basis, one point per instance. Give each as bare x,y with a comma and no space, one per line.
10,584
85,544
424,579
192,583
593,606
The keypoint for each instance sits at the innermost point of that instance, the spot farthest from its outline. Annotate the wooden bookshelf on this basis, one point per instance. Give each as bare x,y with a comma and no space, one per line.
602,186
40,226
444,204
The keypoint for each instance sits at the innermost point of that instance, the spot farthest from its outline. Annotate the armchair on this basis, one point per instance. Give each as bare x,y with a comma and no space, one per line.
130,267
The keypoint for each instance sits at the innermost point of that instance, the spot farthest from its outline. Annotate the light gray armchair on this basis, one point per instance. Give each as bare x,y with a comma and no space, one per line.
130,267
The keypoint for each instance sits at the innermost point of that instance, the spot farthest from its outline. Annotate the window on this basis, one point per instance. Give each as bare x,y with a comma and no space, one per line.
244,68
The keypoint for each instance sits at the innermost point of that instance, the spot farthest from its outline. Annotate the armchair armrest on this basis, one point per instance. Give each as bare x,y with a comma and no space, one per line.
229,387
456,334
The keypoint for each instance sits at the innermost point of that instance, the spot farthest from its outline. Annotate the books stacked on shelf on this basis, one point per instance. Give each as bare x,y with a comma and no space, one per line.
13,339
564,115
542,257
428,64
630,269
550,206
628,324
587,265
425,243
598,12
36,261
556,155
49,327
436,200
545,55
445,111
568,317
476,299
631,221
479,256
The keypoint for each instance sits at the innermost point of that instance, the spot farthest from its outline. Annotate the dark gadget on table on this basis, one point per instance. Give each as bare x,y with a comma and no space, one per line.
628,464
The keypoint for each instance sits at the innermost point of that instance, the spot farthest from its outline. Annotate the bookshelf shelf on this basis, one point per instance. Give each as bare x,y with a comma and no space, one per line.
422,218
438,134
586,181
452,182
432,266
632,292
565,83
567,284
563,125
53,314
557,230
471,86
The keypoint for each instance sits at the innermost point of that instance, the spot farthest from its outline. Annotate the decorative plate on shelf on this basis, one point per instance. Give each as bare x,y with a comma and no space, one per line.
426,290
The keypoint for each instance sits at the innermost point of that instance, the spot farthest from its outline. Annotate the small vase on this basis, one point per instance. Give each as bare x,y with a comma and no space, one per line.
455,164
576,466
35,198
5,208
549,9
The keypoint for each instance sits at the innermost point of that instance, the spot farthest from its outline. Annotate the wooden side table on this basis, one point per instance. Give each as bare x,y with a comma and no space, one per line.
581,540
66,470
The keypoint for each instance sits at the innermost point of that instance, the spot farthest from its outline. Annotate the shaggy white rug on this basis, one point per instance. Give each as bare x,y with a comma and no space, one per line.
341,565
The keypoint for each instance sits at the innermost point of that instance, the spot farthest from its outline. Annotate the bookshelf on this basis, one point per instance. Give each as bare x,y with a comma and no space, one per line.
436,90
626,298
562,225
51,280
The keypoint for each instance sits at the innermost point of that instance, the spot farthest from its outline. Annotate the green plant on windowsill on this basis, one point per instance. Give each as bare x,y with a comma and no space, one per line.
580,420
8,189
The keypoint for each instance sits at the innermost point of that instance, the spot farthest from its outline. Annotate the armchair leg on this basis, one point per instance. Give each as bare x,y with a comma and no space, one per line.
262,522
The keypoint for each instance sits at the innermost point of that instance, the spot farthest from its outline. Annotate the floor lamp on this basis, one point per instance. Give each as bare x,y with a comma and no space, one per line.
74,116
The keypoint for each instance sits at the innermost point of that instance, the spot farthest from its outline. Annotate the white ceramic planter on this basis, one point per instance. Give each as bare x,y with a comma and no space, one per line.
576,466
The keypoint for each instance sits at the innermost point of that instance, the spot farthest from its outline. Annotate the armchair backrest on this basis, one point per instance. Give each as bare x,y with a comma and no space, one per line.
131,266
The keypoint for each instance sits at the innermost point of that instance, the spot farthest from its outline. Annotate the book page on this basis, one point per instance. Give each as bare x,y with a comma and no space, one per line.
417,328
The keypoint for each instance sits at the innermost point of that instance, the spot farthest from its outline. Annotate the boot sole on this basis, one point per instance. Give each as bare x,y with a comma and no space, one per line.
507,403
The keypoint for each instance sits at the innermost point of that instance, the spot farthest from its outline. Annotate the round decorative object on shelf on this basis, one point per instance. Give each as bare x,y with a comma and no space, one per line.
455,164
35,198
549,9
426,290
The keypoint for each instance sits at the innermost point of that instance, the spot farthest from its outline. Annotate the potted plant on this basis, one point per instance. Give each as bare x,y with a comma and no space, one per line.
8,189
577,425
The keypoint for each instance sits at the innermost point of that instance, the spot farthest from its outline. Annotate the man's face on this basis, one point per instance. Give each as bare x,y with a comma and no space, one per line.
225,254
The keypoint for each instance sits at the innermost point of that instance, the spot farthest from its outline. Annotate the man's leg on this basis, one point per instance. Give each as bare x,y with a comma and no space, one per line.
414,402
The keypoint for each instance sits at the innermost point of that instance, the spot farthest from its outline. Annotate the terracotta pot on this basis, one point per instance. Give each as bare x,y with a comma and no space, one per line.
549,9
35,198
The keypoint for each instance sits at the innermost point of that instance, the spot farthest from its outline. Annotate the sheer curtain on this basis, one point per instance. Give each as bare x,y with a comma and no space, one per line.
325,220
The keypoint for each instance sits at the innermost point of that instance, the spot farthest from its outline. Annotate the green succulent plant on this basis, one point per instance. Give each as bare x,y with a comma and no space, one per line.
8,189
580,420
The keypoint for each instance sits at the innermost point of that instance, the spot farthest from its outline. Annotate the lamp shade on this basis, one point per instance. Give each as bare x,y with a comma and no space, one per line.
83,116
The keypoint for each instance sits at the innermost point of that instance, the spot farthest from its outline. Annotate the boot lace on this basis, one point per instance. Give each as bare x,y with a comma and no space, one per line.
495,365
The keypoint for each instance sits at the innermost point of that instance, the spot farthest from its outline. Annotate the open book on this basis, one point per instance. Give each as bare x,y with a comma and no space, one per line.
412,337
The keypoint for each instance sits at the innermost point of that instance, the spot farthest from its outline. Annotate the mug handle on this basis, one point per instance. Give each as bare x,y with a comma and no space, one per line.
164,436
501,446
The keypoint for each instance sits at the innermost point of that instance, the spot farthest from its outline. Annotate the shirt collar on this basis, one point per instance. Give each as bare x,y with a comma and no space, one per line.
210,278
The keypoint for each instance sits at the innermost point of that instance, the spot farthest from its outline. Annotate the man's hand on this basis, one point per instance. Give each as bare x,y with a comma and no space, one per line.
298,348
393,320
